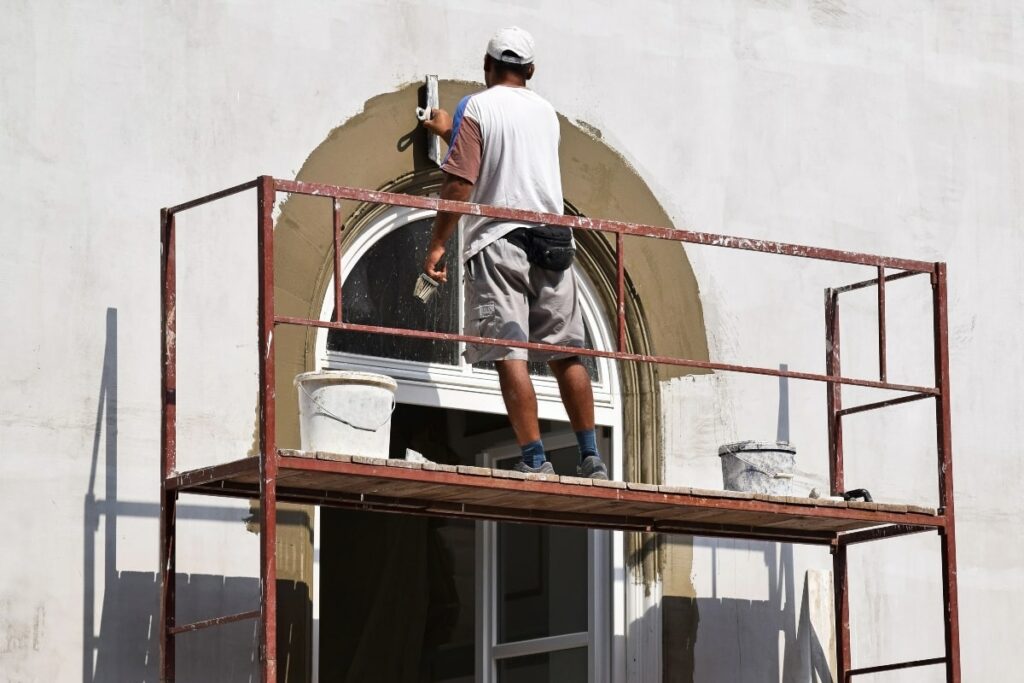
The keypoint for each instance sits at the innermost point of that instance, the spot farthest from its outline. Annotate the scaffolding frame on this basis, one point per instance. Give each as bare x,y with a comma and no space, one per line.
819,522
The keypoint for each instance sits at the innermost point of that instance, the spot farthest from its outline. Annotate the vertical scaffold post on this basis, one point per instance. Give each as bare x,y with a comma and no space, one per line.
620,291
834,395
168,402
834,403
336,225
951,620
265,194
883,371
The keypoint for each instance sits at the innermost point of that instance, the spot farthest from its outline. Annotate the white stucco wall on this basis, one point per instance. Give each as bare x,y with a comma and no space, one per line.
890,128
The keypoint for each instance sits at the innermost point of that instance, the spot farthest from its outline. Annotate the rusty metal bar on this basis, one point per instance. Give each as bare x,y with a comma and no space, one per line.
168,460
168,567
584,223
336,215
882,404
168,360
268,442
834,394
205,475
840,584
384,505
944,442
834,403
881,324
874,281
620,291
893,667
216,621
891,531
664,360
185,206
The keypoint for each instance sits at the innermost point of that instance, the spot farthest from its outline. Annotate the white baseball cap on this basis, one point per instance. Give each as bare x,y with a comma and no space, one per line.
512,39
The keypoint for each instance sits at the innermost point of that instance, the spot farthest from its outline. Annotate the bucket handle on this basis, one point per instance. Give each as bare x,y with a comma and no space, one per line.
321,408
763,470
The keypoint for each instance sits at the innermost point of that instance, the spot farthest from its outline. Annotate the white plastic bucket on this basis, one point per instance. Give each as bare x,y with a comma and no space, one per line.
758,467
346,412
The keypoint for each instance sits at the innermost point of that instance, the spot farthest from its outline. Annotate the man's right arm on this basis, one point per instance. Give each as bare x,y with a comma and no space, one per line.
440,124
457,189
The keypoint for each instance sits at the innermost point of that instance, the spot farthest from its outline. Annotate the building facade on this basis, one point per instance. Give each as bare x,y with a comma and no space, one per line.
893,130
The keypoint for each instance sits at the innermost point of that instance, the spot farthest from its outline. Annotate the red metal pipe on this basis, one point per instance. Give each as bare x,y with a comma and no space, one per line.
874,281
834,394
168,567
882,404
584,223
168,360
664,360
216,621
168,498
894,667
620,291
840,584
184,206
336,215
881,324
944,439
877,534
268,443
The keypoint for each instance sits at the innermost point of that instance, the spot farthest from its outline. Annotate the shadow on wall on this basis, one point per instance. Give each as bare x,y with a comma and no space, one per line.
123,647
752,641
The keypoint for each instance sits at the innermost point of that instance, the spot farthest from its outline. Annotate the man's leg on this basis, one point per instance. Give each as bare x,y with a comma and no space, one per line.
578,398
521,405
577,394
520,399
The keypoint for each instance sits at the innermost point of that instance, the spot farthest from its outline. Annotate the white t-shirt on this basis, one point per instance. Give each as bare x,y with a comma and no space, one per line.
505,141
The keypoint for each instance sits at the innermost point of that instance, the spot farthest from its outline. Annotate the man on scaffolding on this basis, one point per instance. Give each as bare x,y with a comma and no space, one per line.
503,151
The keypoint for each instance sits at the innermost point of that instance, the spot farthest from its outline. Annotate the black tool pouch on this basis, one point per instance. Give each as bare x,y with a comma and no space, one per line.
547,246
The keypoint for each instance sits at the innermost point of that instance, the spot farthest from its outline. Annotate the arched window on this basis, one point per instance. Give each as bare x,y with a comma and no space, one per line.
380,269
519,575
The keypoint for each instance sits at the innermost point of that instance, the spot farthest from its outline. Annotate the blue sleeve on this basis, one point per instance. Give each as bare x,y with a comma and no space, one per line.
456,122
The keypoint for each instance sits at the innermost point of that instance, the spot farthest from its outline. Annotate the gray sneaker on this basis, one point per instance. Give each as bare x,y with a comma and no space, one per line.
592,467
544,468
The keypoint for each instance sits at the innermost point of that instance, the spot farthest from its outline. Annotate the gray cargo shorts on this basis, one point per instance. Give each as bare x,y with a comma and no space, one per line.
507,297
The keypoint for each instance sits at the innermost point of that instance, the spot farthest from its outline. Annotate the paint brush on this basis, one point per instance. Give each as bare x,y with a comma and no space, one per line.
426,288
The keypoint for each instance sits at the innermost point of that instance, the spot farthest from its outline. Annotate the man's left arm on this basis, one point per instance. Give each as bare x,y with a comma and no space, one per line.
457,189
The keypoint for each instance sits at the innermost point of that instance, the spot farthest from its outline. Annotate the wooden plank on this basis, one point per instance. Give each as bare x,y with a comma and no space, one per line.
503,493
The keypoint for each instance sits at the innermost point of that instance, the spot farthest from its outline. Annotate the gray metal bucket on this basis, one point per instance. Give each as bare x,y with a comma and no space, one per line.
758,467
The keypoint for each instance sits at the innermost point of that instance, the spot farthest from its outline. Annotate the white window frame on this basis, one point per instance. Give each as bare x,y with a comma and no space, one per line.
476,390
598,636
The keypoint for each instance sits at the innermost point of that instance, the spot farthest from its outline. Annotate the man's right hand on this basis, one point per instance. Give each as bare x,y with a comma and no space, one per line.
433,264
440,123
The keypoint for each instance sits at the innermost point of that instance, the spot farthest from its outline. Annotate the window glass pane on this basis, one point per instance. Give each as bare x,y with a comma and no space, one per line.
542,573
378,291
562,666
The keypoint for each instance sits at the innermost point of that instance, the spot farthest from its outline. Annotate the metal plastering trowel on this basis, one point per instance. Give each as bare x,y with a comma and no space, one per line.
423,113
426,286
